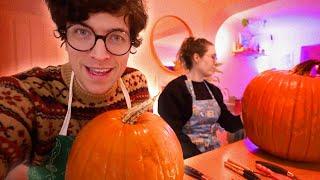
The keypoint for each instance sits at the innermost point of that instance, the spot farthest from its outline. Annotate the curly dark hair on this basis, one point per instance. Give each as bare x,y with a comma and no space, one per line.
189,47
75,11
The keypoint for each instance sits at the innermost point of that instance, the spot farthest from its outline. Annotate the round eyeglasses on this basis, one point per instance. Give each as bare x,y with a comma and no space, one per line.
81,37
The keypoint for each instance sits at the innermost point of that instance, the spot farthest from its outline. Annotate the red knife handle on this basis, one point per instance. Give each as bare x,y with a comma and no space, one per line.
273,167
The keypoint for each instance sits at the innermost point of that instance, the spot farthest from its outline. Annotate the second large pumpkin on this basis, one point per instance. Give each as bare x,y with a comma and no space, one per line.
281,113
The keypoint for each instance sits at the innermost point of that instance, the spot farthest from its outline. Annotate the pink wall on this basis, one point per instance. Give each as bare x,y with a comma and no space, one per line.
291,25
26,37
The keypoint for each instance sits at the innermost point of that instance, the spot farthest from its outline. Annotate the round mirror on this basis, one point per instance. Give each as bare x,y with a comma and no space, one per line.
167,36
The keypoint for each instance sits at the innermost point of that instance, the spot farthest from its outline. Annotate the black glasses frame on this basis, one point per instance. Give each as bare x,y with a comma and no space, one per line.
63,35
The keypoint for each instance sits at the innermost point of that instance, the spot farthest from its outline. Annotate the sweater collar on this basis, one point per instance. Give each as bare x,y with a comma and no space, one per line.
82,95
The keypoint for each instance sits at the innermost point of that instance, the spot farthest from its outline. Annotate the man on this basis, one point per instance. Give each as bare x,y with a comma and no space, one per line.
42,107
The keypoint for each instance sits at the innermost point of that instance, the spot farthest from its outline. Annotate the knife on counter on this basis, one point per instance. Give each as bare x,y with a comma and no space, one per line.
195,173
277,169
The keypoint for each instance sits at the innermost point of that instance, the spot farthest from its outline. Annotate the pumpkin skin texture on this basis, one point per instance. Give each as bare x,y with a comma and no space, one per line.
281,114
107,148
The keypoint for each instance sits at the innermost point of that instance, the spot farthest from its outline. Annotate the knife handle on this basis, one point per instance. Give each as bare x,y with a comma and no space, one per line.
273,167
249,175
194,172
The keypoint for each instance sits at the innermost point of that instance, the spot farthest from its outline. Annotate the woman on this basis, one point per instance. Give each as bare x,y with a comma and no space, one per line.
43,107
193,107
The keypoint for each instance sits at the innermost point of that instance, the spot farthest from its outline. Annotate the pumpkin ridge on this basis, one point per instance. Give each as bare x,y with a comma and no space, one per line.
118,146
291,120
143,158
172,153
115,137
107,158
158,156
315,123
170,131
285,116
126,130
141,146
161,158
98,129
94,140
309,131
251,98
307,119
247,98
274,104
305,84
267,100
271,107
259,127
107,128
176,166
75,147
153,141
95,144
281,110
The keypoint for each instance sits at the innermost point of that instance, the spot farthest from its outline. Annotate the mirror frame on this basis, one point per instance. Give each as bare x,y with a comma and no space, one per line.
154,52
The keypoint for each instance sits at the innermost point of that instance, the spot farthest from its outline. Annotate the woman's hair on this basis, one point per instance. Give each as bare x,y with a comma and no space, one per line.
189,47
75,11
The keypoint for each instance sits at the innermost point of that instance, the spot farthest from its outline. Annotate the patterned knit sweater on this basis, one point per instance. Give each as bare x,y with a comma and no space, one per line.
33,105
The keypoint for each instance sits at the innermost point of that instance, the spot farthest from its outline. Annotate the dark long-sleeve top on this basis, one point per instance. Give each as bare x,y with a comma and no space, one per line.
175,107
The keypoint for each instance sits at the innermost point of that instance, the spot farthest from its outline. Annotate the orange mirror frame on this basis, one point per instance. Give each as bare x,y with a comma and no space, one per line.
167,36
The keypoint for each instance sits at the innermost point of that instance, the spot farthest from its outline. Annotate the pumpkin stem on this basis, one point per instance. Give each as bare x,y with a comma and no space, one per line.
133,113
310,68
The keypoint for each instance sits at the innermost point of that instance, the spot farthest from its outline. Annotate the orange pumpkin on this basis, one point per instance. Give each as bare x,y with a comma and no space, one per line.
112,146
281,112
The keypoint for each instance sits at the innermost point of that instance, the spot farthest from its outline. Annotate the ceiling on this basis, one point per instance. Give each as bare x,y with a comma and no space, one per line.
282,8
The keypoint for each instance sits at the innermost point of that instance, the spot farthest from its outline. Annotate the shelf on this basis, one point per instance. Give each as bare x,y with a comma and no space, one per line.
247,52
